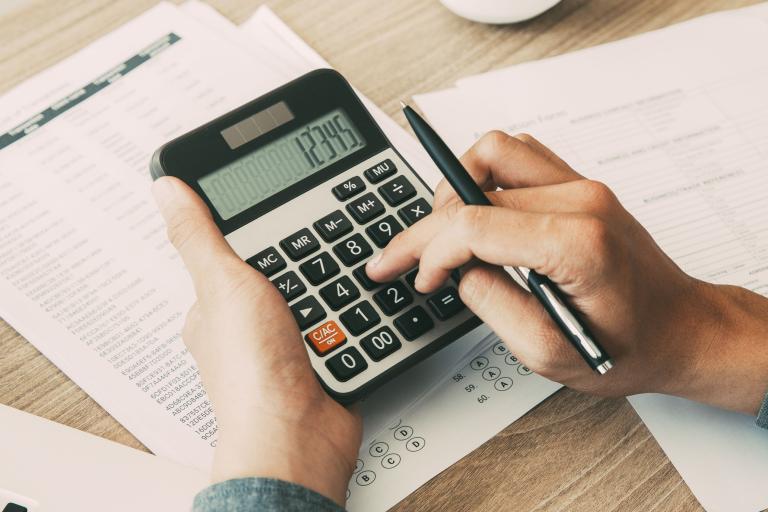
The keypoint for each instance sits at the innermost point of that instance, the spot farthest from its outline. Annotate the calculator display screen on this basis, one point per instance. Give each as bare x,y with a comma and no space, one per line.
281,163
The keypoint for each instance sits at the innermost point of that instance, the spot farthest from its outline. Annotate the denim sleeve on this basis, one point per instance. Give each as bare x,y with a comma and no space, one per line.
762,414
261,495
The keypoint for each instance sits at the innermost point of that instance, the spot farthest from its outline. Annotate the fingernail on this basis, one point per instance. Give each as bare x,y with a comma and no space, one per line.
375,261
163,190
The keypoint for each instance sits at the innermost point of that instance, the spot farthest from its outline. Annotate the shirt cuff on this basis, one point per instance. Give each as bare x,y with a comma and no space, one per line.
762,414
262,494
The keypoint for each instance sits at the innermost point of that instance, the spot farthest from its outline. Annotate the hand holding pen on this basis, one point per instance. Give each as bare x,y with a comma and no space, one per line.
607,268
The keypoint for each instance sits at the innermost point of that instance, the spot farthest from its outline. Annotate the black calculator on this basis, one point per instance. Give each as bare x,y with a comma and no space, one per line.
306,187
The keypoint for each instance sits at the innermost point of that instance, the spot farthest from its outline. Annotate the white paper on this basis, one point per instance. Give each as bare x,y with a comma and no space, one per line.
48,467
86,273
674,122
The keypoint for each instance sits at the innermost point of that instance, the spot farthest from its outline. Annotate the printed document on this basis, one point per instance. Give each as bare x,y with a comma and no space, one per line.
675,122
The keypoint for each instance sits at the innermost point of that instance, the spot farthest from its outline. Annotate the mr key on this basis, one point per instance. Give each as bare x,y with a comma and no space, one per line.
305,186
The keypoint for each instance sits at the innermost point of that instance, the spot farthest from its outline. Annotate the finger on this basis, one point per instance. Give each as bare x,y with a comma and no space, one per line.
505,237
192,231
403,251
580,196
520,321
500,160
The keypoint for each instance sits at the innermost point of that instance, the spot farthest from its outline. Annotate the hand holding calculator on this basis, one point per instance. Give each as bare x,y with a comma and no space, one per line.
303,184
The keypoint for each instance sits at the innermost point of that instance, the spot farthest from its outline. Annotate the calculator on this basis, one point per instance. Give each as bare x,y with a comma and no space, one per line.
306,187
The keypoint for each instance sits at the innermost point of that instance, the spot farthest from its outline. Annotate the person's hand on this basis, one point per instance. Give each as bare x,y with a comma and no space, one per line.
274,418
665,331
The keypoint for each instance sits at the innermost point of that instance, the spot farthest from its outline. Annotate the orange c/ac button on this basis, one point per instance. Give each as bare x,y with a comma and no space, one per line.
326,338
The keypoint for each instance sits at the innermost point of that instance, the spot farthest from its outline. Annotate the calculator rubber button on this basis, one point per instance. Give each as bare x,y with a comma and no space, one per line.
397,191
333,226
380,343
393,297
410,278
362,277
326,338
319,268
359,318
346,364
415,211
353,250
383,230
268,261
300,244
307,312
380,171
413,323
365,208
339,293
349,188
289,285
445,303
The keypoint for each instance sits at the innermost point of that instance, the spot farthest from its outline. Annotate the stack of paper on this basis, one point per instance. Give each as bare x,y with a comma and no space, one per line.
87,275
676,122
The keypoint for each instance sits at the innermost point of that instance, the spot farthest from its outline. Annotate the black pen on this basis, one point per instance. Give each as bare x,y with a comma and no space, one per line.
547,292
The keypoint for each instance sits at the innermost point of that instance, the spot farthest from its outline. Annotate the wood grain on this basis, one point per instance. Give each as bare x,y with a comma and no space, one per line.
573,452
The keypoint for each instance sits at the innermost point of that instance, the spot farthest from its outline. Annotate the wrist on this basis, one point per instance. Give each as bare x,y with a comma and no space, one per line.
289,449
725,361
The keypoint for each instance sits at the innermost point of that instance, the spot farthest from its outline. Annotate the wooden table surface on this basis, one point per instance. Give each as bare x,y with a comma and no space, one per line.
573,452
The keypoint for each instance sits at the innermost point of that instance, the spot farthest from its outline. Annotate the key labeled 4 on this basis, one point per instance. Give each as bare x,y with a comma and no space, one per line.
326,338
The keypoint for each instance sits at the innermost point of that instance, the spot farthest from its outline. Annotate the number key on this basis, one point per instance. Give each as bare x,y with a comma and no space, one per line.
380,343
346,364
393,297
362,277
384,230
353,250
320,269
339,293
360,318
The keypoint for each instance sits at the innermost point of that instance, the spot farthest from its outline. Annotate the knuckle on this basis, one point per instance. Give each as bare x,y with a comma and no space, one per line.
526,138
491,141
474,284
471,218
597,194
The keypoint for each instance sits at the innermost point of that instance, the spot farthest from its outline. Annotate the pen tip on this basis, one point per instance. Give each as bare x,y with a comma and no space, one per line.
403,104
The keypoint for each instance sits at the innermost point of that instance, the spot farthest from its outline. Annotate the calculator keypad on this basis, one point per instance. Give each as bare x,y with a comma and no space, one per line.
353,250
346,364
350,322
268,261
333,226
365,208
415,211
384,230
320,268
414,323
397,191
380,171
360,317
289,285
348,188
300,244
307,312
339,293
393,298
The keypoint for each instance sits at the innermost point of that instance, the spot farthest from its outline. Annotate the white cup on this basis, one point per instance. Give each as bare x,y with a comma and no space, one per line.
499,11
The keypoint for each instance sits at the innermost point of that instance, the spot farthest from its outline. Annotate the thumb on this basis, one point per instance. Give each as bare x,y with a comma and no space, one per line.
517,318
192,231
